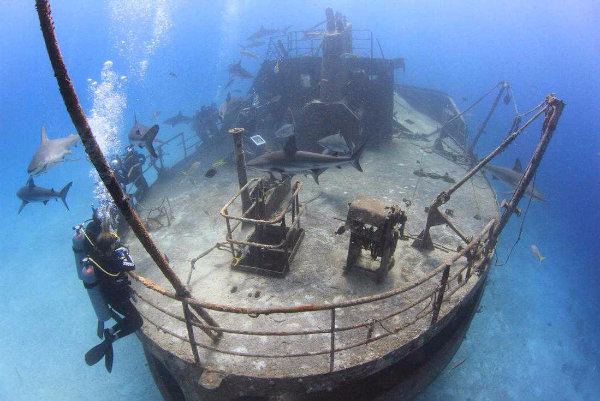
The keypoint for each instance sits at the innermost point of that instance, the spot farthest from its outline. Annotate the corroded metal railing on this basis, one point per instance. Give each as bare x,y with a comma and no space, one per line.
477,252
474,252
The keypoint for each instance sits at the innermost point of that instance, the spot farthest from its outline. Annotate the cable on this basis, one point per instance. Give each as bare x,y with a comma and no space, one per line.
520,229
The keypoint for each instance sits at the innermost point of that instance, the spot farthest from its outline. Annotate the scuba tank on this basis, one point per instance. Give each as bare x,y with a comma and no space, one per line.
85,272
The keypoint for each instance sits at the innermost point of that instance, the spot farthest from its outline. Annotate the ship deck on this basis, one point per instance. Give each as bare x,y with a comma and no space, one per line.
315,275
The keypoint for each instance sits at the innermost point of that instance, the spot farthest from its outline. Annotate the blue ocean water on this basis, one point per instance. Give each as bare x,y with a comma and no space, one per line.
537,334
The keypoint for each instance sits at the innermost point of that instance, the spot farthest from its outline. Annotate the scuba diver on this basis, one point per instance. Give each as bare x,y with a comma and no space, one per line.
109,262
128,170
205,122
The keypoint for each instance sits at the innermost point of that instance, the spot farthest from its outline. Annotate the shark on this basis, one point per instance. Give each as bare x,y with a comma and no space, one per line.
178,119
290,161
51,151
248,53
511,177
256,43
236,69
32,193
143,136
261,33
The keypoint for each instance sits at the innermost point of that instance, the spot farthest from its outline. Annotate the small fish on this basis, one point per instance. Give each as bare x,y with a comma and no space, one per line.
228,84
348,55
506,99
321,82
218,163
464,98
248,53
173,74
336,144
193,168
537,253
411,122
276,69
156,113
211,173
285,131
456,365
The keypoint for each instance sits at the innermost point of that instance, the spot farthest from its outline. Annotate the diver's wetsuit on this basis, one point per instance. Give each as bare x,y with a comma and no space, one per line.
114,283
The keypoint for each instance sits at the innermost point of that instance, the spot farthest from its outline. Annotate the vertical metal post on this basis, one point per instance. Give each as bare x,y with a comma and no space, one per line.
229,233
440,297
161,157
380,49
240,162
184,146
332,349
371,44
487,118
188,323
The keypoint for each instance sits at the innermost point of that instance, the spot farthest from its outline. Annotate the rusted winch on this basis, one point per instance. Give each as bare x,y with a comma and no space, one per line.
375,226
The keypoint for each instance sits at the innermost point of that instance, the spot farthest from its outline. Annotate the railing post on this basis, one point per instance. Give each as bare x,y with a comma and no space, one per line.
440,296
332,349
184,146
188,323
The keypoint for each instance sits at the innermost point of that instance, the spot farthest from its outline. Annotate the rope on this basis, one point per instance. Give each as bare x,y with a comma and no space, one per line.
520,229
466,110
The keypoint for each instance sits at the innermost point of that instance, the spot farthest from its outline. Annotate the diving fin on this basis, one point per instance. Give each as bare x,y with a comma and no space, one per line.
108,358
94,355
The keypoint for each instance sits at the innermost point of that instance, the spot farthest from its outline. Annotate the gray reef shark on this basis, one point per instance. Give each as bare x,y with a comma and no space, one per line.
51,151
262,32
143,136
511,177
252,44
290,161
31,193
248,53
178,119
237,70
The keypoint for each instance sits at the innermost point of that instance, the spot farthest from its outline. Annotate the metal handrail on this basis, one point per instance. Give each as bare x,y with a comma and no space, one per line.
318,307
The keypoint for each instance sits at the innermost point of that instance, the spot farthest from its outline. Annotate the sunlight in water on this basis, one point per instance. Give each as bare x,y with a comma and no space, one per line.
106,119
139,28
230,29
